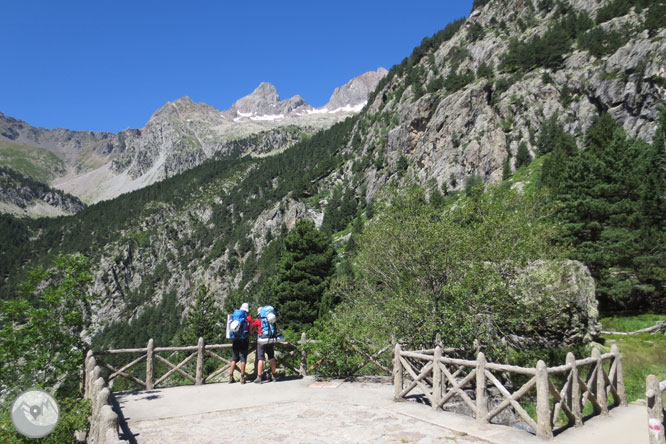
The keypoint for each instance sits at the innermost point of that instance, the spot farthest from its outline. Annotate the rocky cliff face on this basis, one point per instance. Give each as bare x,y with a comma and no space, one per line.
450,131
22,196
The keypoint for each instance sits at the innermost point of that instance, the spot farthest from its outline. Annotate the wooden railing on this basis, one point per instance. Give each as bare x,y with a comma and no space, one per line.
150,355
441,378
655,405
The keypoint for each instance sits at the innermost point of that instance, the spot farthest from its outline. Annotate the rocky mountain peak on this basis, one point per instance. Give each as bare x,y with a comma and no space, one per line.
265,100
268,91
356,91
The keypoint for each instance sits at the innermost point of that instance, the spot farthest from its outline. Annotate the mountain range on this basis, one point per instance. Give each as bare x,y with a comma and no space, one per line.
181,134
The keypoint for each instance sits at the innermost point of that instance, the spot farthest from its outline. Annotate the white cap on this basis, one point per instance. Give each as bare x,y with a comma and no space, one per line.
258,310
245,307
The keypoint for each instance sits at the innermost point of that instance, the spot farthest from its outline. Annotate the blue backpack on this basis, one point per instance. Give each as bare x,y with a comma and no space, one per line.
241,317
268,330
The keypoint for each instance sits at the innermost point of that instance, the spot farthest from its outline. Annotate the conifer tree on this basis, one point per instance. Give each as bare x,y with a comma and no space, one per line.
204,320
303,275
523,155
652,260
605,200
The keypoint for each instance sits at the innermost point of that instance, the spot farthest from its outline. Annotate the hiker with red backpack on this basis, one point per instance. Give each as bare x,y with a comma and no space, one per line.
240,326
267,335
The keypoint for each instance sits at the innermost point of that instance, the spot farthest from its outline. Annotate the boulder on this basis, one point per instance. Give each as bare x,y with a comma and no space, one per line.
560,303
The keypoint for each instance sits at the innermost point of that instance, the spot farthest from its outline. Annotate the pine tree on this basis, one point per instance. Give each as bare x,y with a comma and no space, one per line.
204,320
305,269
652,261
601,191
523,155
563,153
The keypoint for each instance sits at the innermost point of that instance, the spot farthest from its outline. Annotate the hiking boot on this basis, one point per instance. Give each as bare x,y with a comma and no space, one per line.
242,379
231,379
258,380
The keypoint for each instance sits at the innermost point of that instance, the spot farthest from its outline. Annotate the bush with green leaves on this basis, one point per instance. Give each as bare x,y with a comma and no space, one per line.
424,271
600,42
204,320
41,345
40,331
455,82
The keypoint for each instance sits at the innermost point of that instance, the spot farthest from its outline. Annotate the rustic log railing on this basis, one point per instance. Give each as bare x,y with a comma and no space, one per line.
151,354
655,405
441,378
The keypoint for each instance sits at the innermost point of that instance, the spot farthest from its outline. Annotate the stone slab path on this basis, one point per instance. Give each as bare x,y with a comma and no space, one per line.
307,411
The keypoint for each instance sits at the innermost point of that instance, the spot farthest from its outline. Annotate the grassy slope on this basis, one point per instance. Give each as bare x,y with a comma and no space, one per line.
37,163
642,354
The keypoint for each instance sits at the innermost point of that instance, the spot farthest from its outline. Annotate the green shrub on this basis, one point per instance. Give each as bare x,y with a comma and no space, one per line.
485,70
475,32
424,270
545,51
455,82
599,42
655,17
615,8
472,182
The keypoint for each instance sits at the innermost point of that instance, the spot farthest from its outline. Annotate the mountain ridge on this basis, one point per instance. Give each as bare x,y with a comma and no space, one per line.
178,135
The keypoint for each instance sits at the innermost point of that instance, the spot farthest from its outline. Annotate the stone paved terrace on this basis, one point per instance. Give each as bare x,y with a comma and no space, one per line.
307,411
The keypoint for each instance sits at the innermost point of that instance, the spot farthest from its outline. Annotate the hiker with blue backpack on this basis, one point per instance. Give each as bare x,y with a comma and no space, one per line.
267,335
241,322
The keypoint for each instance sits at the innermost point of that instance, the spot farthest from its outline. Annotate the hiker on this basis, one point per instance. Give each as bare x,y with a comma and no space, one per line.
240,333
266,329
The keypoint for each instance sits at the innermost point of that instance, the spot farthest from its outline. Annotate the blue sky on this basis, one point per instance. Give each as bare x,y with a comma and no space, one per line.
107,65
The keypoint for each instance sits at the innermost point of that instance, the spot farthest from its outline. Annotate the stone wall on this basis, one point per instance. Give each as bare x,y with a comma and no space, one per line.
103,420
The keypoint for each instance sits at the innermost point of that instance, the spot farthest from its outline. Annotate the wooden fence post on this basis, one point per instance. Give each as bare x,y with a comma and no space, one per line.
304,357
200,358
573,393
655,410
544,425
619,376
397,371
436,378
150,372
481,400
602,398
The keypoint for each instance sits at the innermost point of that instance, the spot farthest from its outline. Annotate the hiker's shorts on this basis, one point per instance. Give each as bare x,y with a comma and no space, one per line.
265,349
239,350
